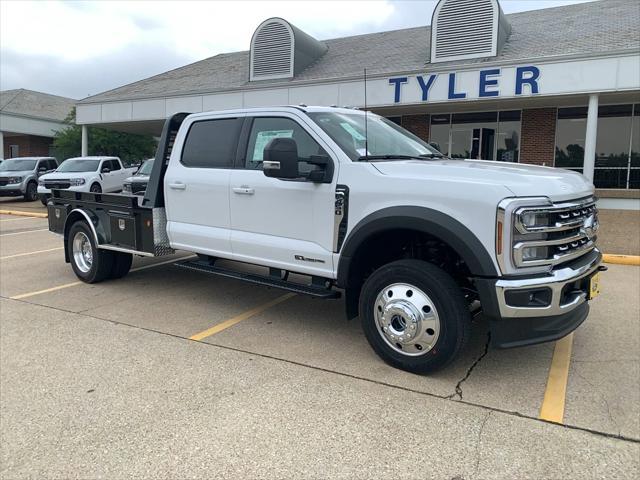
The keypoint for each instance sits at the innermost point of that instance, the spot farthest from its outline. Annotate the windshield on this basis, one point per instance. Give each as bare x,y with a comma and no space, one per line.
17,165
146,167
385,139
79,165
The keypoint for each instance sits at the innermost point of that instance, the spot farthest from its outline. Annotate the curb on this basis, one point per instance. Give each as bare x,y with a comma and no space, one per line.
622,259
23,214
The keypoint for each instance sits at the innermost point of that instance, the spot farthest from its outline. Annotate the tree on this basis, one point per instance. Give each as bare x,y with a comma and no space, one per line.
129,147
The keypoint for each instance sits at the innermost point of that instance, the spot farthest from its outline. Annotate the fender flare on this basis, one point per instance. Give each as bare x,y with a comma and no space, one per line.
99,236
421,219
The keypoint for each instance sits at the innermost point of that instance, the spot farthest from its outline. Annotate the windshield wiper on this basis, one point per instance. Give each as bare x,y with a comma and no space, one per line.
365,158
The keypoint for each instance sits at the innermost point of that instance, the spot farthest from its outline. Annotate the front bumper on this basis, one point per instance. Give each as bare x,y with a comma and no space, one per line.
13,190
559,303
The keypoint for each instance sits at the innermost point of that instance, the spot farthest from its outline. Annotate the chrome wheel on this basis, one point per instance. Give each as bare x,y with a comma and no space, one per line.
82,252
407,319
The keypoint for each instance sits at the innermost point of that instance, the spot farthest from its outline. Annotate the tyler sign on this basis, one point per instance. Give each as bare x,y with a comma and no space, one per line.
487,83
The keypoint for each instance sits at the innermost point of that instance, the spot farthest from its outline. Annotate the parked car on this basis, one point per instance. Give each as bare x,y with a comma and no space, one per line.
19,176
416,241
137,184
85,174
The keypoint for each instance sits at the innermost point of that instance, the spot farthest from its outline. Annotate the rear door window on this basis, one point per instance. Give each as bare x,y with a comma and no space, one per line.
212,143
115,165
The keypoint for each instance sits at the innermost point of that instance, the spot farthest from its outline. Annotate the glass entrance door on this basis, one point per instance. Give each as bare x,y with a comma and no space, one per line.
474,143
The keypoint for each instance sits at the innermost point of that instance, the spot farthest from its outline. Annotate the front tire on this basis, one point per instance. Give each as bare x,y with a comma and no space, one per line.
31,193
414,315
95,188
90,264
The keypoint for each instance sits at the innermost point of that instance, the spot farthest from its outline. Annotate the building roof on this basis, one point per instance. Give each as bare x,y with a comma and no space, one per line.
593,28
29,103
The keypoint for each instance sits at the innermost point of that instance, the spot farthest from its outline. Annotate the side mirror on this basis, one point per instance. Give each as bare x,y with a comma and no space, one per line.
281,158
435,145
42,169
105,170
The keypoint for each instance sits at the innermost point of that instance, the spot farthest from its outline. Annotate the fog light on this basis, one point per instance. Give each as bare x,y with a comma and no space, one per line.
540,297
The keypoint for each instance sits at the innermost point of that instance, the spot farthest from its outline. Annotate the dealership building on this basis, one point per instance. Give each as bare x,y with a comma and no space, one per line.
29,120
556,87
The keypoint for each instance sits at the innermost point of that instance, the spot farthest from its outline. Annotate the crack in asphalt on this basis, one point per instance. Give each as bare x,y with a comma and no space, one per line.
346,375
479,444
458,389
604,399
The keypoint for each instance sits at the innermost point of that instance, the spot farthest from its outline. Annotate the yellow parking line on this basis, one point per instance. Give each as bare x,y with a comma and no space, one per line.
21,219
23,214
31,253
73,284
46,290
552,408
238,318
21,233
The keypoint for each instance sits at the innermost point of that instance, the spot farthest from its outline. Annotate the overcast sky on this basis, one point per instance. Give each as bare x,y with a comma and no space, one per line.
76,49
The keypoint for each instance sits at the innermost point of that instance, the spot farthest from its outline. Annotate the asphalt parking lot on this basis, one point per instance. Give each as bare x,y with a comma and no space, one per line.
169,373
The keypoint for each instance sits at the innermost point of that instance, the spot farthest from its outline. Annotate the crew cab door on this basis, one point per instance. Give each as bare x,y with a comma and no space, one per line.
196,185
285,224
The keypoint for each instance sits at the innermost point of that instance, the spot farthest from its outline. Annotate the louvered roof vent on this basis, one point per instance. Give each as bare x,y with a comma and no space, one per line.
463,29
280,50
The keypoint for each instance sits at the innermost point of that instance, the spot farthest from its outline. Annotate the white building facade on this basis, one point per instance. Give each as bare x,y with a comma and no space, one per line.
557,87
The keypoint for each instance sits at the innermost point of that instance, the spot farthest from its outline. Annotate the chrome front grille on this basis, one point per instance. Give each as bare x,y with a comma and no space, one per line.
555,234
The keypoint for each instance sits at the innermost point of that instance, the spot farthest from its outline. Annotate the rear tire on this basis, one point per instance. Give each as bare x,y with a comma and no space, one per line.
32,192
89,263
414,315
121,265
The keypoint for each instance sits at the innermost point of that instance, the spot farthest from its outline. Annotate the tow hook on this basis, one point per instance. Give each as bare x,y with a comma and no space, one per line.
603,268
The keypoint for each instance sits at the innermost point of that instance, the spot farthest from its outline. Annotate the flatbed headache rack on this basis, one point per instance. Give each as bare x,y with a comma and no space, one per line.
125,223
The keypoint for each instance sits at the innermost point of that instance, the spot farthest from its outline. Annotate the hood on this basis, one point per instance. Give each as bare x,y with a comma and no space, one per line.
138,179
61,175
19,173
521,180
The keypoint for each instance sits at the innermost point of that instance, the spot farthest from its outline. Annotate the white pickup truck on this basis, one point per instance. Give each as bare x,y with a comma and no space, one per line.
416,242
85,174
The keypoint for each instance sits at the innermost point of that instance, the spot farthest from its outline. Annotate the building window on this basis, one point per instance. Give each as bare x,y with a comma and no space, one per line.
480,135
617,147
14,151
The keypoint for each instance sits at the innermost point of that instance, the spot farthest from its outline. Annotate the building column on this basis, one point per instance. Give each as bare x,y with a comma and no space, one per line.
590,138
1,146
537,137
85,141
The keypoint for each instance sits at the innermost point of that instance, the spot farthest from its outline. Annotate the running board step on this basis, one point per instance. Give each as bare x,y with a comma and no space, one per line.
267,281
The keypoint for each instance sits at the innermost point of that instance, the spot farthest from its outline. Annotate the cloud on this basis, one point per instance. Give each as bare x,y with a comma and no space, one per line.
80,48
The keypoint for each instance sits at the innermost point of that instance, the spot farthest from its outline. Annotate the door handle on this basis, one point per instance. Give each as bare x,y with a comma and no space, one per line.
244,190
178,186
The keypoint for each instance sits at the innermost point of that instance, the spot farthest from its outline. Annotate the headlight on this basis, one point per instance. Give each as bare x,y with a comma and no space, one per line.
126,188
40,182
76,182
535,235
12,180
532,219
